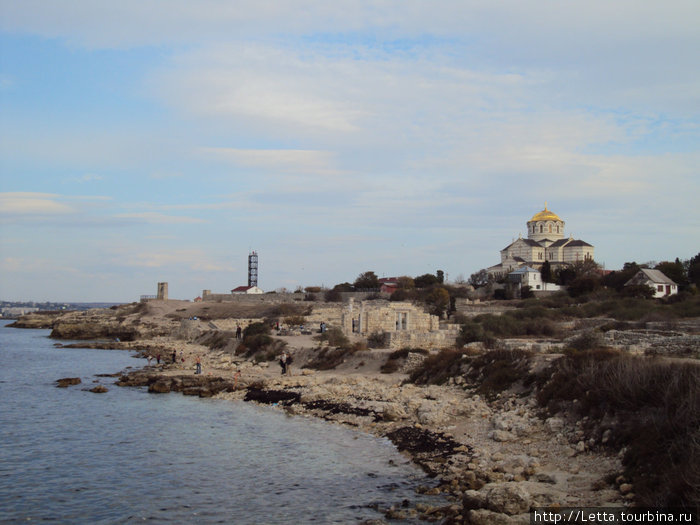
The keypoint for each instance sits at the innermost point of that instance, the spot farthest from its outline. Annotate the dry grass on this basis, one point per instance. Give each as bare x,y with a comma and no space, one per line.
654,407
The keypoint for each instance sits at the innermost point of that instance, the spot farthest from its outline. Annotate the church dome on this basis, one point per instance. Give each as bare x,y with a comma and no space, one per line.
545,215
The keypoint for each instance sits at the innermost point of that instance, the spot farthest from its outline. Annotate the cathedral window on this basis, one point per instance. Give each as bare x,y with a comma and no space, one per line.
540,228
550,228
557,229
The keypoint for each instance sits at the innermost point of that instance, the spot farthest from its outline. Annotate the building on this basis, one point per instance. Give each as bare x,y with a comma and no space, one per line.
247,290
662,285
545,242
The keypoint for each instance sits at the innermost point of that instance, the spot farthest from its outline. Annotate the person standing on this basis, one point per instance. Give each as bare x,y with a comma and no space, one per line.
174,357
236,377
289,364
283,362
198,364
238,332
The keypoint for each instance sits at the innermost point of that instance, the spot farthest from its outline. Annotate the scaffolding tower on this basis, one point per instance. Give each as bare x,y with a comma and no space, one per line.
253,269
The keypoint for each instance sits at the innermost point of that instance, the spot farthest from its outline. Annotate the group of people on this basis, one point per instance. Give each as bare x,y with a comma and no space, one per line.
285,363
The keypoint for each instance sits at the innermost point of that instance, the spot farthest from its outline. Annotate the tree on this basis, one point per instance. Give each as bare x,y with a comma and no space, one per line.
406,283
675,271
440,276
438,300
480,278
366,280
694,270
546,272
618,278
426,280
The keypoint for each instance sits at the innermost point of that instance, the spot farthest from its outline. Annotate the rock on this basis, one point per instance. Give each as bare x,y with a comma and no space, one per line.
99,389
487,517
625,488
508,498
473,499
501,435
162,386
393,412
68,381
554,424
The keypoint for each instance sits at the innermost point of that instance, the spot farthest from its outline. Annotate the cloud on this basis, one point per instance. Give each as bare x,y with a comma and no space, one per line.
300,161
33,204
159,218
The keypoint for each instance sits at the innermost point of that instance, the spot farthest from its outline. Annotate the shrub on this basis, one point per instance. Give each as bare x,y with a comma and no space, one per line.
334,336
656,409
498,370
333,296
377,340
438,368
328,358
586,341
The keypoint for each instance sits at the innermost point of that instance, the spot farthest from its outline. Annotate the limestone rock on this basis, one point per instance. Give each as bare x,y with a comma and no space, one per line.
501,435
554,424
508,498
99,389
487,517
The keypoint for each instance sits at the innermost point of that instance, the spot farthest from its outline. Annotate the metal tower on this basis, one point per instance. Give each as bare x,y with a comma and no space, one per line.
253,269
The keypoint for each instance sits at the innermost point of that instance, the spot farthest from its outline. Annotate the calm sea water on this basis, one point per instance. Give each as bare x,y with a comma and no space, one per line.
71,456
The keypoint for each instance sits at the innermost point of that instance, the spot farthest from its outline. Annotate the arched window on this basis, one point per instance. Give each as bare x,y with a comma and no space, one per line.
550,228
557,229
541,228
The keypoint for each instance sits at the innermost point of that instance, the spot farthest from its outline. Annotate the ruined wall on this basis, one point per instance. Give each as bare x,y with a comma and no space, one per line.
369,317
428,341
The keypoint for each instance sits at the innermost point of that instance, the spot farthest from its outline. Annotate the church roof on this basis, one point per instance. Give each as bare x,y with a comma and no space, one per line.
579,243
545,215
529,242
560,242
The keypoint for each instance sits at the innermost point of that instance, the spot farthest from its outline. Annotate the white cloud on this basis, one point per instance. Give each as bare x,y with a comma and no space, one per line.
159,218
32,204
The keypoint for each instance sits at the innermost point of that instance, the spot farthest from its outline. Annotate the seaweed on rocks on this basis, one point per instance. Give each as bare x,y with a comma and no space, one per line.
341,408
272,396
426,447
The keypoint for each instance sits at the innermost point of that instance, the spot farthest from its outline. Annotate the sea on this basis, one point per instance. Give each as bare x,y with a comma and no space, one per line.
68,455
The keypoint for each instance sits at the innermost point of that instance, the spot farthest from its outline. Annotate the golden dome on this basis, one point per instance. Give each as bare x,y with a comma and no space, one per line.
545,215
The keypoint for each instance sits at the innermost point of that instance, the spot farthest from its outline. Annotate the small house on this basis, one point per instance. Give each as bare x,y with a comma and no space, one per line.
247,290
662,285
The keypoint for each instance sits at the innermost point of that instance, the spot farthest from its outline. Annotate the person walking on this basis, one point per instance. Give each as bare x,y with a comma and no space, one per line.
283,362
238,332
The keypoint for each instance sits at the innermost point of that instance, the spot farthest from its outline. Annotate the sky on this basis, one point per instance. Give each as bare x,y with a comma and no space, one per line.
162,140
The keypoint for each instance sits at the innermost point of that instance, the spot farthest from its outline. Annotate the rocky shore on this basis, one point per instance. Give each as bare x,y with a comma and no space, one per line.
495,458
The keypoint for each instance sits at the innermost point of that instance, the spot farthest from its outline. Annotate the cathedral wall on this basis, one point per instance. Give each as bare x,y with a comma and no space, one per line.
574,254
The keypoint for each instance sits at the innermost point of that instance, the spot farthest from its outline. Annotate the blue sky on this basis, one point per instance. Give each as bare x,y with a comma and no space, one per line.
145,141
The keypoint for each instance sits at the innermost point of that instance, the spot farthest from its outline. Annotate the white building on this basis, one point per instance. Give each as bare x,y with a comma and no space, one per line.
247,290
662,285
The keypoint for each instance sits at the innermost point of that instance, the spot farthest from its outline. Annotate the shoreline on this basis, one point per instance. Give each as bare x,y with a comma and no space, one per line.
493,460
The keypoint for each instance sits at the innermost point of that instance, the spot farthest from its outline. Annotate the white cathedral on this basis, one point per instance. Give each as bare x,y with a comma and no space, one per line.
545,242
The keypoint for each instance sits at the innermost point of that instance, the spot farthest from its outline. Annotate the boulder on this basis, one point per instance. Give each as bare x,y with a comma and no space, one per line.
508,498
67,381
99,389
